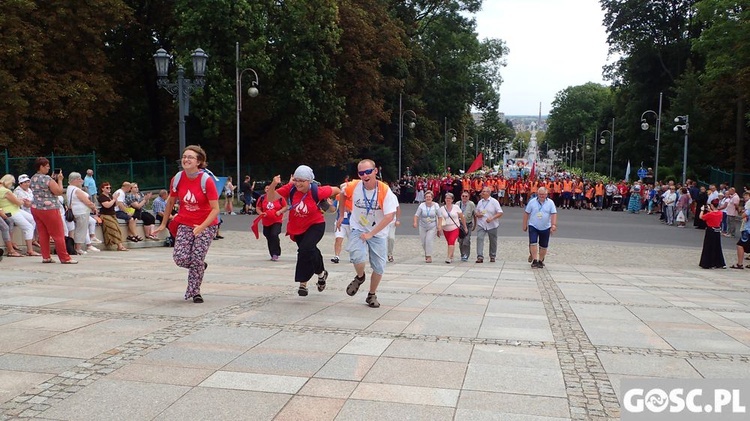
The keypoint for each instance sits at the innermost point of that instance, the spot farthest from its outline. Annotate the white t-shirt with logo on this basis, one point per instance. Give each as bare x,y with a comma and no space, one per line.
366,211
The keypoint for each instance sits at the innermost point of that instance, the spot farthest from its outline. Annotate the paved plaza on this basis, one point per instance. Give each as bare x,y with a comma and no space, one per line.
112,339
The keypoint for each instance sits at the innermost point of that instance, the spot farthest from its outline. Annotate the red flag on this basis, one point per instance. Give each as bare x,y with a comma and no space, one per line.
254,227
532,174
477,164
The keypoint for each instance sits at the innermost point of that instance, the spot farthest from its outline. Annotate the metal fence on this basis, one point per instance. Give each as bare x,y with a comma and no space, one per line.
718,176
150,175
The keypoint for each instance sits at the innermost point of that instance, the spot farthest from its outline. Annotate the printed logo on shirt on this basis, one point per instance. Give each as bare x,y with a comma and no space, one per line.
189,201
301,209
362,204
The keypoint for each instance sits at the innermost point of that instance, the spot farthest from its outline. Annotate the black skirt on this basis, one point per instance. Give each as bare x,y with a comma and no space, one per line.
712,256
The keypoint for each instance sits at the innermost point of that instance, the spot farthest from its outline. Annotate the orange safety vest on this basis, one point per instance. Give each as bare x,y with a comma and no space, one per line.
567,186
502,184
349,193
599,189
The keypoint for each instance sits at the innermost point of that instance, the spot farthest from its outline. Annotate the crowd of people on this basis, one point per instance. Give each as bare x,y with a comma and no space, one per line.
368,213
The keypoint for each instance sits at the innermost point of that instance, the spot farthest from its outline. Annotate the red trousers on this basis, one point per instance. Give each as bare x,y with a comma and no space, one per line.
49,224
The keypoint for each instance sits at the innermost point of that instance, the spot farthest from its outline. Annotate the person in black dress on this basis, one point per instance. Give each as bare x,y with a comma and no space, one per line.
712,256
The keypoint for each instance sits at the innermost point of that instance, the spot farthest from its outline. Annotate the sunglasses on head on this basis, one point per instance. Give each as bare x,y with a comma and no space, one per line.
366,172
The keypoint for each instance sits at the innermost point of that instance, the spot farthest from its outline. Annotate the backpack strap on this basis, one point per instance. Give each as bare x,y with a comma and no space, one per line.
204,180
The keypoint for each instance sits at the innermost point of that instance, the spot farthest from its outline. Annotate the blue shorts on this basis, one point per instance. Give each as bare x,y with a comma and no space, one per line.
375,249
567,195
539,236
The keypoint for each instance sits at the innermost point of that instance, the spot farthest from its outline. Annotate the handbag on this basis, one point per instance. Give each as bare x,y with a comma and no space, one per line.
69,210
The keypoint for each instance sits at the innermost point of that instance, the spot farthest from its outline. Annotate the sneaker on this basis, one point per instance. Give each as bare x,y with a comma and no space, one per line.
535,264
335,259
540,264
464,259
354,285
233,213
372,300
95,240
274,258
81,252
322,280
492,260
92,248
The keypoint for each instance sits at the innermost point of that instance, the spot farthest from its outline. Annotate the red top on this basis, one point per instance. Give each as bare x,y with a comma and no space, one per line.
713,219
270,209
304,212
194,206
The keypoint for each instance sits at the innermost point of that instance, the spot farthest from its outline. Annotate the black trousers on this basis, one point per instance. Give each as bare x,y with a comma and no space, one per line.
309,258
272,238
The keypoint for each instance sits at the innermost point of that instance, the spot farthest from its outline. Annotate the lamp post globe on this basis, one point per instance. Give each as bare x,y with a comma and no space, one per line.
253,91
644,125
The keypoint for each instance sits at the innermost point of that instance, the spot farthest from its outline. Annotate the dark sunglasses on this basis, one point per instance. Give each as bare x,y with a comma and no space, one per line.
366,172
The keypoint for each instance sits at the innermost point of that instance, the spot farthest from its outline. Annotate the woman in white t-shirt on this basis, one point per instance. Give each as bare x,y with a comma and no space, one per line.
449,219
426,216
82,206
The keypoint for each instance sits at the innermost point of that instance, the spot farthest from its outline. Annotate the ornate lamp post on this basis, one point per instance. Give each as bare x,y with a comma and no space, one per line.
657,134
252,91
684,127
401,114
182,89
464,148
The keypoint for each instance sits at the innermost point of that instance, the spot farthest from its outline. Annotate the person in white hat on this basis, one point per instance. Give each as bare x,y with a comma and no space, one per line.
306,225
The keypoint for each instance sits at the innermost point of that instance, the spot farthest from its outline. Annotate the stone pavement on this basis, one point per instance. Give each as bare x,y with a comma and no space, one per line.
111,338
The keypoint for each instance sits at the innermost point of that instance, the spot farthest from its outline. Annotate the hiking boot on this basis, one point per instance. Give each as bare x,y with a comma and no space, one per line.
354,285
372,300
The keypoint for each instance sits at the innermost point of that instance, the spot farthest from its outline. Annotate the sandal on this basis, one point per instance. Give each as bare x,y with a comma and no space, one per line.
138,238
15,254
428,259
322,281
390,259
302,291
33,253
737,267
354,285
132,239
122,248
197,299
47,260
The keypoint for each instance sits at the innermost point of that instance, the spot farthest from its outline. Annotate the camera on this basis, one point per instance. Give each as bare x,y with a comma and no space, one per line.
58,171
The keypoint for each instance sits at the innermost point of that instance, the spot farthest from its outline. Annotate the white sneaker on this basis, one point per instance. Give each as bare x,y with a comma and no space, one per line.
96,240
233,213
92,248
82,252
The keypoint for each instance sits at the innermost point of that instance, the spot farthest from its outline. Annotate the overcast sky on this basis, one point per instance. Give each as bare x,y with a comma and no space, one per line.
553,44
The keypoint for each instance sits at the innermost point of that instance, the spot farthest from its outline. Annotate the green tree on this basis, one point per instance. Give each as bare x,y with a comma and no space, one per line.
55,60
726,79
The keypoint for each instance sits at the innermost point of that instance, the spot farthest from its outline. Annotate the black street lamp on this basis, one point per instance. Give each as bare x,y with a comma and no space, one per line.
657,133
182,89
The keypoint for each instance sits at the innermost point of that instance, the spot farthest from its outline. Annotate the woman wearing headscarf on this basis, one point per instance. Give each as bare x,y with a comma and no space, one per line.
46,210
306,225
712,255
196,221
110,226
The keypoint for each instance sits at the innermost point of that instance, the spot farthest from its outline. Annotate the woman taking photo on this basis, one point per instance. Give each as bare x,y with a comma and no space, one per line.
426,217
110,226
449,218
46,210
196,220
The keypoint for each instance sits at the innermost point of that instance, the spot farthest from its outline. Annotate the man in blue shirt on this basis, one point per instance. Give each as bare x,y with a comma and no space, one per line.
89,184
540,219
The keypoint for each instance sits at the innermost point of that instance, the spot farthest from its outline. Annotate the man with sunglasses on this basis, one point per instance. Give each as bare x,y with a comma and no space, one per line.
373,208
